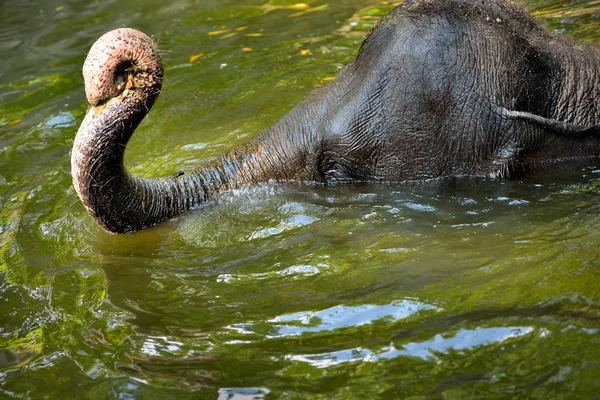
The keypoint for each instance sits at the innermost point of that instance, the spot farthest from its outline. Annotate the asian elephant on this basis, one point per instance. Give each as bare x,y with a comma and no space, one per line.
439,88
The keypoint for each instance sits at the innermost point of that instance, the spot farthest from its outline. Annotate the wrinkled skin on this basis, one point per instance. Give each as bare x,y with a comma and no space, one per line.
439,88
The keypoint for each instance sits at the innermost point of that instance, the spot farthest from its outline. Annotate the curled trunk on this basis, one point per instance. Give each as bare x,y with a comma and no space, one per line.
123,75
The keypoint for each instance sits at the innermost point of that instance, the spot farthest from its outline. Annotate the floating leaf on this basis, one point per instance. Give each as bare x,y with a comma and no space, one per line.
299,6
254,34
304,52
247,49
220,32
14,122
229,35
241,28
195,57
309,10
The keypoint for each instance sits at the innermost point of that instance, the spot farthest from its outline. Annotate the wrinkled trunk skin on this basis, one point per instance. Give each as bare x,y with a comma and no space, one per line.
439,88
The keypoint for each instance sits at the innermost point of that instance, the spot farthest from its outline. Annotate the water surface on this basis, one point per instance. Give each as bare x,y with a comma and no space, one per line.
457,289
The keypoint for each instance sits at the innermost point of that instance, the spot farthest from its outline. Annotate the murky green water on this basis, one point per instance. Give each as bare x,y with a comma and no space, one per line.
455,289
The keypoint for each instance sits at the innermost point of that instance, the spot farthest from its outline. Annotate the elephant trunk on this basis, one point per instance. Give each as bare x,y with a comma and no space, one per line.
123,76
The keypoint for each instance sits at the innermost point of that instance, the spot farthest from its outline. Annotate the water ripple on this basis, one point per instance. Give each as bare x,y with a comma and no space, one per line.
293,222
420,207
295,271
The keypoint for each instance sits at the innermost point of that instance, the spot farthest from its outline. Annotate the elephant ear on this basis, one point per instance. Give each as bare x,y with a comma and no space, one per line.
552,125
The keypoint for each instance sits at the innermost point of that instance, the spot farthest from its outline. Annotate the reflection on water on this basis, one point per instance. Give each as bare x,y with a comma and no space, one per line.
463,340
460,288
336,318
242,393
343,316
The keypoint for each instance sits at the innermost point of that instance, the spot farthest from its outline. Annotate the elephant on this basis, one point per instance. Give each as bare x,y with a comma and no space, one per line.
439,88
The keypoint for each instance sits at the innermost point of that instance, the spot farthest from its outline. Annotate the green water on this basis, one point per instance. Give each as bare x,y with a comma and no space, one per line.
455,289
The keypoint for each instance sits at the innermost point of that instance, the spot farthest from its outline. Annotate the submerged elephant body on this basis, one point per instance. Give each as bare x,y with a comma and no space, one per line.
439,88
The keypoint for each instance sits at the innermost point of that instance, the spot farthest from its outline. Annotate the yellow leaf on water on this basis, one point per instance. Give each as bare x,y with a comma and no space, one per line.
232,34
254,34
16,121
213,33
59,8
241,28
247,49
304,52
309,10
195,57
299,6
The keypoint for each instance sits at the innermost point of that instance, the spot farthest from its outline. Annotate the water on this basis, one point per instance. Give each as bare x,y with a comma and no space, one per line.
454,289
